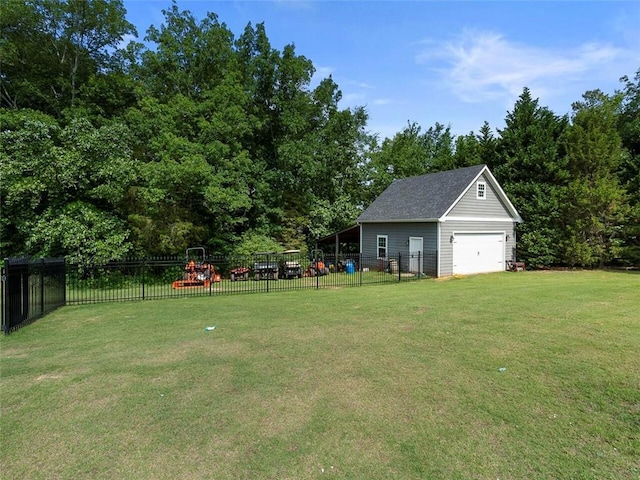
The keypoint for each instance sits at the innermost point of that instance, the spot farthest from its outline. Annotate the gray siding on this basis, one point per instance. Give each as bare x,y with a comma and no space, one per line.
398,236
470,206
450,227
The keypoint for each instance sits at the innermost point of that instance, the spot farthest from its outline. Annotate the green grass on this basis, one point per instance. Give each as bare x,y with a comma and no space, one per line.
391,381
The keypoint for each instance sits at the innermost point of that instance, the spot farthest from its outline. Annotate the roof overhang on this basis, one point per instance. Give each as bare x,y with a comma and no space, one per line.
404,220
348,235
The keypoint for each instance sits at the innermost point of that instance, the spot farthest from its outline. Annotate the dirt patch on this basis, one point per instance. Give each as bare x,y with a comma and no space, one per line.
50,376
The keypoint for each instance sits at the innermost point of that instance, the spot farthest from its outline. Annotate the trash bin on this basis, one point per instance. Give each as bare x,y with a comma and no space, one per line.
393,266
349,267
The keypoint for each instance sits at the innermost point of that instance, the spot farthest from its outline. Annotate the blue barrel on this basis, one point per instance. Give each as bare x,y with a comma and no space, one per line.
350,267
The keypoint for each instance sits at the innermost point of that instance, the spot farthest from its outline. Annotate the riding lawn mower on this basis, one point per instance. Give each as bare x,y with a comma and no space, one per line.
197,271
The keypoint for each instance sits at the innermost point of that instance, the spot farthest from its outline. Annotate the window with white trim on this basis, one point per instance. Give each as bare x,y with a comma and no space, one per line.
382,242
481,190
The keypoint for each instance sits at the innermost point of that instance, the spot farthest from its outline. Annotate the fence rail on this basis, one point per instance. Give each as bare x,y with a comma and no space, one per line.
141,279
31,288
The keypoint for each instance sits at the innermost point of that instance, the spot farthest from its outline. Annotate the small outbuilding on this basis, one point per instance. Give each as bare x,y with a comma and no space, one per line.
454,222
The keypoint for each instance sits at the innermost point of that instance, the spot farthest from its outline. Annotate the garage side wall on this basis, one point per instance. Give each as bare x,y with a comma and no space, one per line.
398,236
451,227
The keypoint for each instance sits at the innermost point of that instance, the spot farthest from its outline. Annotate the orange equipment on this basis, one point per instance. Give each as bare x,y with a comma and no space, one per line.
197,272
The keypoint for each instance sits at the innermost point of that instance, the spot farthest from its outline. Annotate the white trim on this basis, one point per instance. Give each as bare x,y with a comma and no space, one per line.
404,220
510,206
386,246
484,190
439,254
462,232
455,202
478,219
494,183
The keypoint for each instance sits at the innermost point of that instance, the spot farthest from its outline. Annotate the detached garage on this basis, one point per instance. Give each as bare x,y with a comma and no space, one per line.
462,218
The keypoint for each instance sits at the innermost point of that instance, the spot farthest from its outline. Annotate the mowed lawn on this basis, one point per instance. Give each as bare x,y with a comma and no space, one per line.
532,375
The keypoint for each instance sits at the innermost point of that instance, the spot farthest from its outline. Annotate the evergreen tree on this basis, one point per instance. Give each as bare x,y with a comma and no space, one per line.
531,167
629,130
594,204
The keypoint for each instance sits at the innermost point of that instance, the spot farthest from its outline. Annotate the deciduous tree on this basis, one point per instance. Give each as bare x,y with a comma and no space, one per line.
50,49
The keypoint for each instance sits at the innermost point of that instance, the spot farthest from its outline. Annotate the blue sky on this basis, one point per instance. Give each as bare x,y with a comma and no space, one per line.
458,63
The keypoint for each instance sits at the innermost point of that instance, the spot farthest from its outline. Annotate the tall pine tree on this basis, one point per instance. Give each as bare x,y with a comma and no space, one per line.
594,204
531,166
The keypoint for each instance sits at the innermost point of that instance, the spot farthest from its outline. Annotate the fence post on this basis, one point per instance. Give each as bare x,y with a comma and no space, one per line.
212,268
144,270
360,266
5,304
64,281
24,292
41,286
400,265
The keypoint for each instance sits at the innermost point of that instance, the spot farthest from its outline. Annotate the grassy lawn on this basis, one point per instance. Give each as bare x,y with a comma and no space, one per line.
392,381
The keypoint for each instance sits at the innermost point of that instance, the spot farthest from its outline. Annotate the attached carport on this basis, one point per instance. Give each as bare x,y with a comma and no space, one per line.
342,242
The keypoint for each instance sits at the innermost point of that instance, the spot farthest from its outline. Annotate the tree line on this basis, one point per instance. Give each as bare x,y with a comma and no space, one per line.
202,137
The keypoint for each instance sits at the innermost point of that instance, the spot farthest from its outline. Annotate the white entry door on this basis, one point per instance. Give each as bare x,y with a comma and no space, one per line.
416,254
478,253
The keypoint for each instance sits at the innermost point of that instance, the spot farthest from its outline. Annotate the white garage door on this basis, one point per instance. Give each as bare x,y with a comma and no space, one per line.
478,253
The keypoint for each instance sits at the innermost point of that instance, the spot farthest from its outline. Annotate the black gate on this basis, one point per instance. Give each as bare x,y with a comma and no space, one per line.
30,289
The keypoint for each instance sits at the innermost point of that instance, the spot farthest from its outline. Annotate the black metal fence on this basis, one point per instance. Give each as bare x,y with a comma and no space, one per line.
30,289
141,279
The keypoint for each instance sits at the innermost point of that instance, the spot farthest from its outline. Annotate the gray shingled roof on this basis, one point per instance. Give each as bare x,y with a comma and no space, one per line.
420,198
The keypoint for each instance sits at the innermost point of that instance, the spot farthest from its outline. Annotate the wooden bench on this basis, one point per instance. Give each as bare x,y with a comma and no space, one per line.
515,266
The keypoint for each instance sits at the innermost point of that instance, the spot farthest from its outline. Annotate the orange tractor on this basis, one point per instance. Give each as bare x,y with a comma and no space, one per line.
317,267
197,272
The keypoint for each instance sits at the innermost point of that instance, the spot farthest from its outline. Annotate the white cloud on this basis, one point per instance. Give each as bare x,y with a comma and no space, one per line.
362,85
381,101
626,24
384,129
324,71
486,66
320,74
124,41
353,99
295,4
